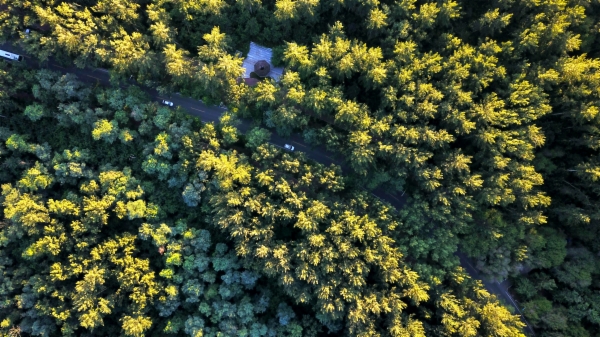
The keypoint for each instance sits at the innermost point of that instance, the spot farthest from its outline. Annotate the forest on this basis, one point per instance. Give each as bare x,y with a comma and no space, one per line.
121,216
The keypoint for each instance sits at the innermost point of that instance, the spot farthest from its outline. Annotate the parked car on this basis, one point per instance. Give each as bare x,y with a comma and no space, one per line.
289,147
168,103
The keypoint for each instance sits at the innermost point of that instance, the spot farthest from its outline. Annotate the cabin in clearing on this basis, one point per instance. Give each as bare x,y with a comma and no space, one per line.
258,61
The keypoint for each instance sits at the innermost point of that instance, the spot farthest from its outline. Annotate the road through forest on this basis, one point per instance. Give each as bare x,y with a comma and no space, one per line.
319,154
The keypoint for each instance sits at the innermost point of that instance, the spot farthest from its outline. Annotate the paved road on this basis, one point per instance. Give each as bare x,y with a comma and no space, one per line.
319,154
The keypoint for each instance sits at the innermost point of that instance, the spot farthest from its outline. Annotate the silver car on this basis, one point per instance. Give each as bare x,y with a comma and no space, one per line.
289,147
167,103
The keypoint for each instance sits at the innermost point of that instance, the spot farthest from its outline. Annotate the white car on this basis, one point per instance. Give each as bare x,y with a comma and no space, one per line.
168,103
289,147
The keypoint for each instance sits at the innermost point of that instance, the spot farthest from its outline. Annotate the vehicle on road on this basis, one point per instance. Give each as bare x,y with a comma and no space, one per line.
11,56
289,147
168,103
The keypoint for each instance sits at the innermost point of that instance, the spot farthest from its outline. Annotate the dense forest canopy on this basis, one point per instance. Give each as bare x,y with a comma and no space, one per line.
124,217
484,114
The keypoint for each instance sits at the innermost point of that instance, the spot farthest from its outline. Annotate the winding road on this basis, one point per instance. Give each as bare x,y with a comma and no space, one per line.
319,154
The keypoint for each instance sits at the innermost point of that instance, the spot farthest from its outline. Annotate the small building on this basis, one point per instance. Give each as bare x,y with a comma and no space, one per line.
248,80
258,61
262,68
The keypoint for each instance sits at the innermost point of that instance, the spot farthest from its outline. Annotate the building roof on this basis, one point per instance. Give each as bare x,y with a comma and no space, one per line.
258,53
262,68
249,81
